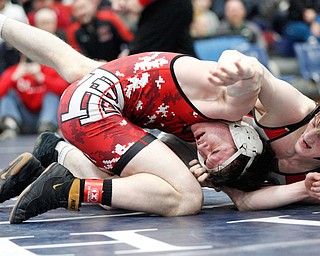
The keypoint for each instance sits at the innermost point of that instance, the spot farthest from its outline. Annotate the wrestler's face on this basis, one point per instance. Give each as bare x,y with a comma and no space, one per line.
214,142
308,144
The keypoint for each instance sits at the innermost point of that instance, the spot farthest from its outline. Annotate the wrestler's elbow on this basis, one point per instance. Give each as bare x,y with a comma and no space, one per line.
243,207
234,115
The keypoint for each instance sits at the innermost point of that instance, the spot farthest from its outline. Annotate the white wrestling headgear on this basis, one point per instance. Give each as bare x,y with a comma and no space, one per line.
247,141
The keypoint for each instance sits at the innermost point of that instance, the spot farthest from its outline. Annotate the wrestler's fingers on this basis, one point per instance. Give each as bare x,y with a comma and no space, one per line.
231,77
194,169
240,72
315,189
316,183
220,78
236,71
316,195
202,178
199,171
246,70
216,77
215,81
193,162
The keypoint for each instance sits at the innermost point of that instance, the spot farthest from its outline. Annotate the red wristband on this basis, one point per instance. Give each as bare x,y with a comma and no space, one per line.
146,2
92,191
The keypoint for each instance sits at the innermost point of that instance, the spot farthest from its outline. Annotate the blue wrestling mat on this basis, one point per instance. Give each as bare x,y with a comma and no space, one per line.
218,230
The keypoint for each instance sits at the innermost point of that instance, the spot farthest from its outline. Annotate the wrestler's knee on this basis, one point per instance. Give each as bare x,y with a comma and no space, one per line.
186,203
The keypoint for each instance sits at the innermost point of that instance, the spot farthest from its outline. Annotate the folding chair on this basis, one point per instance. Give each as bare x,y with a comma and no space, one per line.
308,56
211,48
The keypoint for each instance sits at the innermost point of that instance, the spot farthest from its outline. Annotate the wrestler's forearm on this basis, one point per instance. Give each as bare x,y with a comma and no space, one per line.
268,197
45,48
282,100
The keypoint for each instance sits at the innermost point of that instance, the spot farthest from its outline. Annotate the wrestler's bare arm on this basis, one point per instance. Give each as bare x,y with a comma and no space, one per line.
282,102
219,90
269,197
46,48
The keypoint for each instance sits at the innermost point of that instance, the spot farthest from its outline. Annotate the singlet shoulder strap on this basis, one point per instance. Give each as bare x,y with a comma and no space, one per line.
287,129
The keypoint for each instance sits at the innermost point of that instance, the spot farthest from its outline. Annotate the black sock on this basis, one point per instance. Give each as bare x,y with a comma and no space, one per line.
82,181
107,192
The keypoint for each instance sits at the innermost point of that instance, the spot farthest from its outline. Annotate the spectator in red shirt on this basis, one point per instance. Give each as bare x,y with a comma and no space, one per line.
30,95
30,92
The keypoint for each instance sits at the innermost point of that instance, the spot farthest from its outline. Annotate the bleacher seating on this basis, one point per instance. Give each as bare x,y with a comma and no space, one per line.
309,60
308,56
211,48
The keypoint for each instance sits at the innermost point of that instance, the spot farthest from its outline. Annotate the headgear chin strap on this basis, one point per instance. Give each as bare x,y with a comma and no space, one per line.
247,141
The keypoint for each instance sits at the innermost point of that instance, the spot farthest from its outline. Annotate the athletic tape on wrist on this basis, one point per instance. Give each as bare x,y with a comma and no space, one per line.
2,21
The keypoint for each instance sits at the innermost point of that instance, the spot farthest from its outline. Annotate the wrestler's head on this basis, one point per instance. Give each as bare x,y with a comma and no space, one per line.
308,144
227,150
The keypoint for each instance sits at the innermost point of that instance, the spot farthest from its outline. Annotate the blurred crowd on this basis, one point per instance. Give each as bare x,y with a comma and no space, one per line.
110,29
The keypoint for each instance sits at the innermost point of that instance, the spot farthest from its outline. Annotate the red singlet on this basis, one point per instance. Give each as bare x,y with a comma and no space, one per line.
105,112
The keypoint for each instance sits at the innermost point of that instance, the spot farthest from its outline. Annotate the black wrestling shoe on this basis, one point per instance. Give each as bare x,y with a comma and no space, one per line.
44,148
21,172
55,188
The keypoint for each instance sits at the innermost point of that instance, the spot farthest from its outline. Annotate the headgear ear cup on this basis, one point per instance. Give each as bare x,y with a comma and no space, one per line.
246,137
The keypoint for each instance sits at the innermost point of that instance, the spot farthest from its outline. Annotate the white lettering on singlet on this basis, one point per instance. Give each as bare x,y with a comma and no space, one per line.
103,93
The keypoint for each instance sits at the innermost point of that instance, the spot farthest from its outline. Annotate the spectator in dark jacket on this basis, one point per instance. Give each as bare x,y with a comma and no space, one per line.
164,25
97,34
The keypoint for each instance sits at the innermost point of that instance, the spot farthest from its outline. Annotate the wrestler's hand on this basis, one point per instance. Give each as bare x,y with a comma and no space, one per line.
237,72
200,173
312,184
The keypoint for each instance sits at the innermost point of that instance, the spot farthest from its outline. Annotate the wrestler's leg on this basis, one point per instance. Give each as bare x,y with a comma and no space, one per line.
157,181
172,184
77,163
